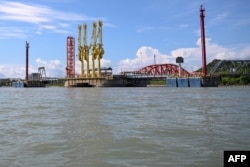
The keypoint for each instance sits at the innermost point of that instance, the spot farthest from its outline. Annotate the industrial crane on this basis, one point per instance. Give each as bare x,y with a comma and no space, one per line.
100,50
93,48
97,50
86,48
80,49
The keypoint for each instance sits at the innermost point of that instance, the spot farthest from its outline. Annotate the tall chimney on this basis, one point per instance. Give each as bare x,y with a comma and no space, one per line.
203,43
27,61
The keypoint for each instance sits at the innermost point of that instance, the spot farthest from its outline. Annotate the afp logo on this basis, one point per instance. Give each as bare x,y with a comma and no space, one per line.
236,158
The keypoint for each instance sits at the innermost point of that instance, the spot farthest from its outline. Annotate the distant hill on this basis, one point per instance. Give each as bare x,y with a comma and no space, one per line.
218,66
232,72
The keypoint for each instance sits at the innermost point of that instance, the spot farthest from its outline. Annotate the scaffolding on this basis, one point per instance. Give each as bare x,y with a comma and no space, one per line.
70,68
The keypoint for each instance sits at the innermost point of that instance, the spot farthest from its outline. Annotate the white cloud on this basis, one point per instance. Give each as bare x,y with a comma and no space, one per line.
6,32
14,71
34,13
53,68
144,57
42,18
192,56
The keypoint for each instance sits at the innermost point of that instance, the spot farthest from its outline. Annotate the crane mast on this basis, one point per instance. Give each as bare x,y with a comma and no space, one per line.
93,48
100,50
86,48
80,49
100,32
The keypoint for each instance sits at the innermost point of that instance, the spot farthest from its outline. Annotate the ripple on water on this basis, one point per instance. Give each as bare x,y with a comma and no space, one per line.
122,127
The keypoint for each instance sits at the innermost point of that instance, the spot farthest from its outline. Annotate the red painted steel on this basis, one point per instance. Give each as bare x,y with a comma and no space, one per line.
163,69
27,61
203,43
70,69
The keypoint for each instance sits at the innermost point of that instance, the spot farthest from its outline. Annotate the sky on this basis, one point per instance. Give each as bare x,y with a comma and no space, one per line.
133,32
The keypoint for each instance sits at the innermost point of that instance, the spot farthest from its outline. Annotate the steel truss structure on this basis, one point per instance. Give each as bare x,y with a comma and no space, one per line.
163,69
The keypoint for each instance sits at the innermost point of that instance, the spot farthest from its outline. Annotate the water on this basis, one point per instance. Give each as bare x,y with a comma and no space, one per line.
125,127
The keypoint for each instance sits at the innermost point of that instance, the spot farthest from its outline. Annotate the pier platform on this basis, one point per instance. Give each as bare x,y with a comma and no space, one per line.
207,81
110,81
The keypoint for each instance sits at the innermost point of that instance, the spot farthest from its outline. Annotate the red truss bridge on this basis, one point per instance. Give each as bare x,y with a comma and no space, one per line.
143,76
163,69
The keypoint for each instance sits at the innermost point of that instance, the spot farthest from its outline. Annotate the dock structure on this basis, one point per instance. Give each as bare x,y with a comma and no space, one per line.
208,81
83,82
143,77
109,81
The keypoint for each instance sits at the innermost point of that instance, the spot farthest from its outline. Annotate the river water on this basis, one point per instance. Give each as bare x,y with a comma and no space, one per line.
125,127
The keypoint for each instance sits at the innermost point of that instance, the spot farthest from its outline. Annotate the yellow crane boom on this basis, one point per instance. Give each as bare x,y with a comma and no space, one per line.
93,47
80,49
97,50
85,48
100,50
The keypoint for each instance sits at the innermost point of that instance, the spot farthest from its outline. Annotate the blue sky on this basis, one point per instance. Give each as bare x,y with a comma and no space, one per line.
133,32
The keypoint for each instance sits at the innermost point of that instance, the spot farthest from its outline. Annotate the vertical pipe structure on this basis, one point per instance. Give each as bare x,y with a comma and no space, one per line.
203,43
179,69
27,61
70,57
